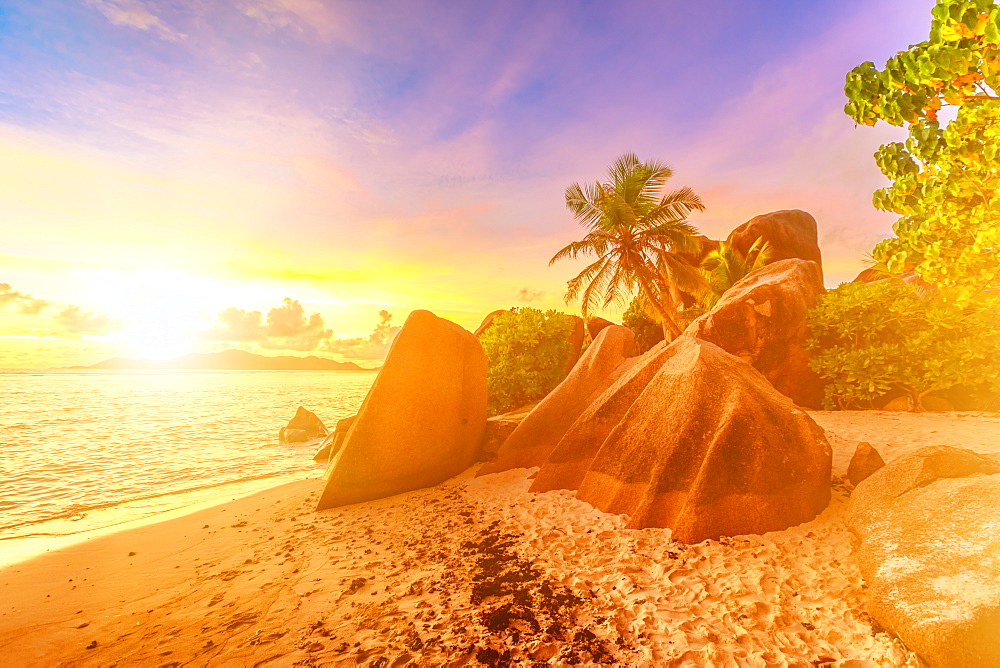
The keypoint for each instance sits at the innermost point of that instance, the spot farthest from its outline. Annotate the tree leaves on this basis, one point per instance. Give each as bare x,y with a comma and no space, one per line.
631,227
527,351
868,339
944,180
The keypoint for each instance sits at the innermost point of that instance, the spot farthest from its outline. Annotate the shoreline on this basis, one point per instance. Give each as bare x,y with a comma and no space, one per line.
431,577
54,534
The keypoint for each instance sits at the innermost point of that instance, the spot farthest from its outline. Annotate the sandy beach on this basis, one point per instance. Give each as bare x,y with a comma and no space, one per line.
476,570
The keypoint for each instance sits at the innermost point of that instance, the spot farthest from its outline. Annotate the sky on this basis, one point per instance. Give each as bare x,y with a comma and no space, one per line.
296,176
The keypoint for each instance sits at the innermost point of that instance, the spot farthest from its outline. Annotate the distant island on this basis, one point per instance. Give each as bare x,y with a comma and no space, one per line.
230,360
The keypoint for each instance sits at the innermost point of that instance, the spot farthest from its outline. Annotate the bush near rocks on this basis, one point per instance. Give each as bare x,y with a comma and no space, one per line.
646,330
527,351
870,339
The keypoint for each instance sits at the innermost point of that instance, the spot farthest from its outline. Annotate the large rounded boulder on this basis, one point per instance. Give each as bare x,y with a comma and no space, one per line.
929,530
539,432
595,325
762,319
423,420
706,447
791,233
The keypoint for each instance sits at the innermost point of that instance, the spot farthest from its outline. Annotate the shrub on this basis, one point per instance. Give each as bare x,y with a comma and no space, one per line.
868,339
646,330
527,351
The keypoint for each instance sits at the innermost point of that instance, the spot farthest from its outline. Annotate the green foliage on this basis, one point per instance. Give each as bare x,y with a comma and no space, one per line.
944,179
646,330
631,227
527,351
868,339
726,266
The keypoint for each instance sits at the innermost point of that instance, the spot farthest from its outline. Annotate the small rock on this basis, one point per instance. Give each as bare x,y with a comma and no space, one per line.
866,460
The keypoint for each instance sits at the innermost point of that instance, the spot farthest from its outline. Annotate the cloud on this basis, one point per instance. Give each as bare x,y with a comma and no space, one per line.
135,14
240,326
286,327
373,347
21,302
54,320
528,295
299,16
73,320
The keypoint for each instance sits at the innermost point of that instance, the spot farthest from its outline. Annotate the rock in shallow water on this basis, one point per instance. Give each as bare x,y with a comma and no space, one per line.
304,426
929,526
331,446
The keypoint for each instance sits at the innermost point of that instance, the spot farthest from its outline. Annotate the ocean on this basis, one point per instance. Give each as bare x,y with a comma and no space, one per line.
80,450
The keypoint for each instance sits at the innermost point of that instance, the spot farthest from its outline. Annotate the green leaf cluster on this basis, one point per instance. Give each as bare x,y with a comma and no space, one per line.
944,179
726,266
869,339
647,332
527,351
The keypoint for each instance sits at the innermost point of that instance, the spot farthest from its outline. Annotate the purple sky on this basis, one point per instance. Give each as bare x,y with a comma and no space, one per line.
373,155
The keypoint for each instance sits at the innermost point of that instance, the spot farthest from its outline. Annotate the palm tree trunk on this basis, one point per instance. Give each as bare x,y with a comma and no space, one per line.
670,328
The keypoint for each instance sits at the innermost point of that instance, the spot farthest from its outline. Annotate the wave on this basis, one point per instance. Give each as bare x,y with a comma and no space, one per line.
72,511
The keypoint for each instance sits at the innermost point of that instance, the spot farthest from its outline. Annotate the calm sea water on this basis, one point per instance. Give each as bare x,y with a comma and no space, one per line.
73,443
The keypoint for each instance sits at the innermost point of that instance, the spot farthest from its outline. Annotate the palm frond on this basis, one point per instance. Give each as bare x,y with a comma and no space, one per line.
598,280
758,255
614,292
595,243
585,201
574,285
683,274
672,235
631,226
676,205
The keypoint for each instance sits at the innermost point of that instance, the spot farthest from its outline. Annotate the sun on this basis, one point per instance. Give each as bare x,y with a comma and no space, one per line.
164,312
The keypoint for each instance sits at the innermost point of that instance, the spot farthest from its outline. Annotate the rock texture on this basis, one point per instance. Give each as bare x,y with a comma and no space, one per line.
595,325
499,428
791,233
287,435
539,432
929,530
864,463
706,446
568,463
762,319
576,336
331,446
423,420
304,423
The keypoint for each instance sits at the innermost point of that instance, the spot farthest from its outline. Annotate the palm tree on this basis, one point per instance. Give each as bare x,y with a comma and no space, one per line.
631,228
725,266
